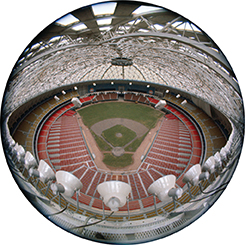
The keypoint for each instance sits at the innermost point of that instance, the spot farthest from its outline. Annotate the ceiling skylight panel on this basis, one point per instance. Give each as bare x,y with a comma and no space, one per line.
181,26
134,22
185,26
124,27
105,28
146,9
188,27
79,27
195,28
177,23
29,55
67,20
104,8
104,21
158,27
35,46
143,30
54,39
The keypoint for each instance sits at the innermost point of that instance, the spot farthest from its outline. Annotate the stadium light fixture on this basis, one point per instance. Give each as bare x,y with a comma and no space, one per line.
67,184
56,98
164,189
44,173
30,161
192,177
184,102
114,194
79,27
209,165
104,21
19,153
77,103
161,104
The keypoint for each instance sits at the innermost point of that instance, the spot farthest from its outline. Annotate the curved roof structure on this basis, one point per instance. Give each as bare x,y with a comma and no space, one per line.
128,43
165,49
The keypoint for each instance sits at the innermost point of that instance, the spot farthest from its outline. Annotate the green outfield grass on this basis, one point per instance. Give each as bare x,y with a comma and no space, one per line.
138,112
118,162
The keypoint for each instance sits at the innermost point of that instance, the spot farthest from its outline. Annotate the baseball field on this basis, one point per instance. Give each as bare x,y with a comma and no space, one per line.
119,125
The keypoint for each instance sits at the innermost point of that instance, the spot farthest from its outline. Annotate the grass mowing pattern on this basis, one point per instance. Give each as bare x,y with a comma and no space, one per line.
118,162
110,135
137,112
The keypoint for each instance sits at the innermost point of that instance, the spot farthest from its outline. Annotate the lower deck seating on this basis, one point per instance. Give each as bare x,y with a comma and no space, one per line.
24,133
214,137
87,99
153,100
176,146
105,96
136,98
62,142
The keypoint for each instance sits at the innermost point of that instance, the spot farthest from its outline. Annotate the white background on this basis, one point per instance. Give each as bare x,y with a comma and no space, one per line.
21,21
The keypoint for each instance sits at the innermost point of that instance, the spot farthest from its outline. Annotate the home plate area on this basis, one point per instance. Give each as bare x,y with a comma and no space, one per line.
118,133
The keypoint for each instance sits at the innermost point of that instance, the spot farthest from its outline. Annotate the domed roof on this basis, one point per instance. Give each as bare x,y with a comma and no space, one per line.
163,47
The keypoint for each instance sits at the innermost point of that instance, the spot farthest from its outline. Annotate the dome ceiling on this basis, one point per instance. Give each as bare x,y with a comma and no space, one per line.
164,48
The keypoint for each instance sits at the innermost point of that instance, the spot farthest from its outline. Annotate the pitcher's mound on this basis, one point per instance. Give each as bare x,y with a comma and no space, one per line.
118,151
118,135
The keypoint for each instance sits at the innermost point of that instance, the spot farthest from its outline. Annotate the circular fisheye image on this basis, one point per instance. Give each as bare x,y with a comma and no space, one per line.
122,122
